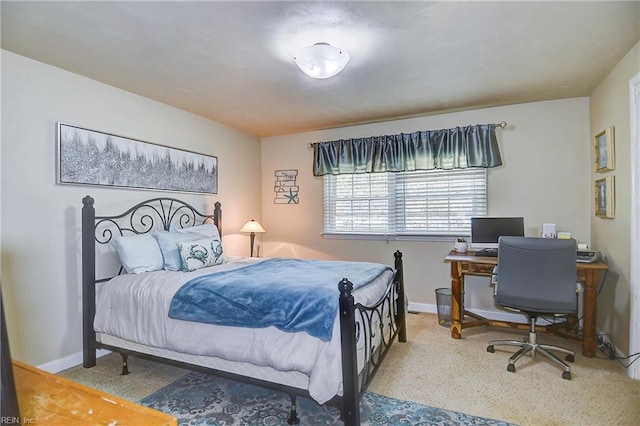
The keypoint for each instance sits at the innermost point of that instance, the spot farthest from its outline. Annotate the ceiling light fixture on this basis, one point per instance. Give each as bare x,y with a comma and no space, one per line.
321,60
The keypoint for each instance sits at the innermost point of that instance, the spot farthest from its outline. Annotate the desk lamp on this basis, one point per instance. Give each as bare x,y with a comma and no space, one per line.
252,227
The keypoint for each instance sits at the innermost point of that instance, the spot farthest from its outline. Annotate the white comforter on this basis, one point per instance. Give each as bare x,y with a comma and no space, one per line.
135,307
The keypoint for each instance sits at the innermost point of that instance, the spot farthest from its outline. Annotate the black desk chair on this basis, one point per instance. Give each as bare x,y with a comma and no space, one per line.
536,276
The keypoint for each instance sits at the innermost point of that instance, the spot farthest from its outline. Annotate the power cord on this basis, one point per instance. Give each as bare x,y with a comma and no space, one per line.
604,277
605,345
609,349
573,321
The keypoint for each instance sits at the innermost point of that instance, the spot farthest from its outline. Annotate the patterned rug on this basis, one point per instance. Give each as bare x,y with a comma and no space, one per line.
201,399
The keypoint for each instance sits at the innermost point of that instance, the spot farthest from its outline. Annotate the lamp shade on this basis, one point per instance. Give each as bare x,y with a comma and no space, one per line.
252,226
321,60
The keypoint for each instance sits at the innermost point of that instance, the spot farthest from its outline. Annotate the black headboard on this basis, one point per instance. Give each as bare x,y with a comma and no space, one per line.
144,217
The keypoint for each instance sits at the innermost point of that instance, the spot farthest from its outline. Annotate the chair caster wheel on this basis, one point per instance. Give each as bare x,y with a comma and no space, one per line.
490,349
569,358
566,375
511,368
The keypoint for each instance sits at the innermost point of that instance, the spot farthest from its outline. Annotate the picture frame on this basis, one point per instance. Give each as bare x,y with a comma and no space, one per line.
91,157
604,151
286,189
604,197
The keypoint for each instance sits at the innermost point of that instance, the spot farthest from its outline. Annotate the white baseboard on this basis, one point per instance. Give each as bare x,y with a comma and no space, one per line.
67,362
493,314
422,308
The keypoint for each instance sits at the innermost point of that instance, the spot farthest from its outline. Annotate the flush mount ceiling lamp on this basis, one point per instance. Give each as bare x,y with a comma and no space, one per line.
321,60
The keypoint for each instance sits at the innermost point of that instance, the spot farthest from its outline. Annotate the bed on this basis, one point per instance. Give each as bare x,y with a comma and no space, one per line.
144,311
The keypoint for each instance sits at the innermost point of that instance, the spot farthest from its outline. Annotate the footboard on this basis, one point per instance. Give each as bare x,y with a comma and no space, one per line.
376,326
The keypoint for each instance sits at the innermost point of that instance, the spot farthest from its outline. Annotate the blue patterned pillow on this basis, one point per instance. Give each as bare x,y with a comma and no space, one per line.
168,242
200,253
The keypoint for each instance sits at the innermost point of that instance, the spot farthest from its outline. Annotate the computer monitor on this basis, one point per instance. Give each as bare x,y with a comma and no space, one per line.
485,231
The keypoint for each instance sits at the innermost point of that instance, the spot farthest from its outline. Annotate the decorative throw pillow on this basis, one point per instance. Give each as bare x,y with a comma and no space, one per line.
138,253
200,253
168,242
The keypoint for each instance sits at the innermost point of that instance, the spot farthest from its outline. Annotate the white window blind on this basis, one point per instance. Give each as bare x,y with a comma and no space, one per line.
431,202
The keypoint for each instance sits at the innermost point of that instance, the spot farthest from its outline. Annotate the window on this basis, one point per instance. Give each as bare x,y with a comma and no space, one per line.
417,203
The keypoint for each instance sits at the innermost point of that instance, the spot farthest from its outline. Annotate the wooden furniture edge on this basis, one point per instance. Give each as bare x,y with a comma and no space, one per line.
148,415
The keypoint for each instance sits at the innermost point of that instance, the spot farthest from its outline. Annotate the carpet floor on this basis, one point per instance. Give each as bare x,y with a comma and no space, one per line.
459,376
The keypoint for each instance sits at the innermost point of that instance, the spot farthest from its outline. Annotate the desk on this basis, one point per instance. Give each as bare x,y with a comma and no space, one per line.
467,264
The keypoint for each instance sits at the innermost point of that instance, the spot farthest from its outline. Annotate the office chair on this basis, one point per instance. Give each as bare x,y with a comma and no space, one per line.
536,276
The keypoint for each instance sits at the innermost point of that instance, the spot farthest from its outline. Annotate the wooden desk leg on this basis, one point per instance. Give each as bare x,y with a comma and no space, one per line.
590,302
456,300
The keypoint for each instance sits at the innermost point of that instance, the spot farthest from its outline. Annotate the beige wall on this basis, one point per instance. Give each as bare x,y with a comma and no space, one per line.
545,178
609,104
546,148
40,220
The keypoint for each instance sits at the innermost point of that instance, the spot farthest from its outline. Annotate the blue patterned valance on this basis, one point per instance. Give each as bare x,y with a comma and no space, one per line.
457,148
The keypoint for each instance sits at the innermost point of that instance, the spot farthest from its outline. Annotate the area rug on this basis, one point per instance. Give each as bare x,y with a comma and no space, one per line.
202,399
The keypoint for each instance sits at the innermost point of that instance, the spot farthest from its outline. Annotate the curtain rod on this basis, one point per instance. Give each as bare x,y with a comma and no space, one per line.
501,124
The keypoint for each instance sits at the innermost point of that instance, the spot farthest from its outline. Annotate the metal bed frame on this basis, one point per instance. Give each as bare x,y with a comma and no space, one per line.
357,322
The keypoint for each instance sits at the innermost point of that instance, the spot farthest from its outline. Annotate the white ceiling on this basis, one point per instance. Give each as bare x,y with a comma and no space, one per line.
232,62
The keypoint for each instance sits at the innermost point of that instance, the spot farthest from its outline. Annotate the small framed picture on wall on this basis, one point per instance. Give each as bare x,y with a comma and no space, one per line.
604,151
604,197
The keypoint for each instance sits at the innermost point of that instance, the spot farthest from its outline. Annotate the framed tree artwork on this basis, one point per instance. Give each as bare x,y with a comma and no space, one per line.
90,157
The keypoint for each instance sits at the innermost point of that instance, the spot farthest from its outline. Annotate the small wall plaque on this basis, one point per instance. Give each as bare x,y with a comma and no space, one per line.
285,188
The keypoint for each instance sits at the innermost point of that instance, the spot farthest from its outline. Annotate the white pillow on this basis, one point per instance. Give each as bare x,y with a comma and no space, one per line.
200,253
169,247
207,229
138,253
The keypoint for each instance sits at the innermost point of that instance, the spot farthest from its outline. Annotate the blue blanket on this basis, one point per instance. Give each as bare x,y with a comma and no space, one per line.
291,294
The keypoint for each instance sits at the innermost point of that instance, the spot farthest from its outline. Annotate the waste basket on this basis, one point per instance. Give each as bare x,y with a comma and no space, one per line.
443,301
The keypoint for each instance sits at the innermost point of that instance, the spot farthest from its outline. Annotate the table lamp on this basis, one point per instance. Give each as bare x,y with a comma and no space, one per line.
252,227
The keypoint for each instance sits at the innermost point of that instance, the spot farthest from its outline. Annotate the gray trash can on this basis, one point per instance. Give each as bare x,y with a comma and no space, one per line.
443,301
